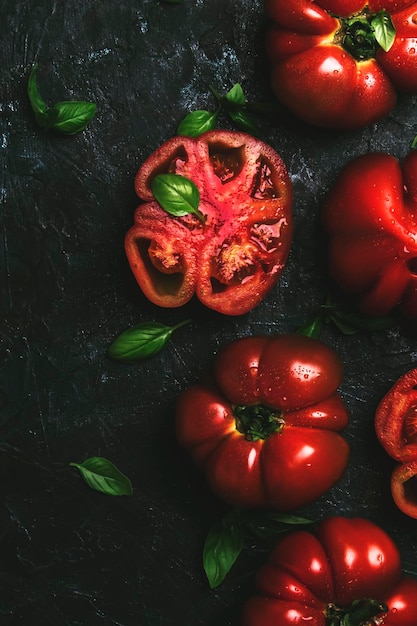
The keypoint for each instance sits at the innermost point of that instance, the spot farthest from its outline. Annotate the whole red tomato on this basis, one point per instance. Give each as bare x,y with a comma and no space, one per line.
345,572
396,429
339,63
234,257
370,215
265,431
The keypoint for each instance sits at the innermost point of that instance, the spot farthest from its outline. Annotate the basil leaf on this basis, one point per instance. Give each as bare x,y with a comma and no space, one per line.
244,121
36,101
222,547
141,341
70,118
67,118
236,94
311,329
384,29
197,122
177,195
101,475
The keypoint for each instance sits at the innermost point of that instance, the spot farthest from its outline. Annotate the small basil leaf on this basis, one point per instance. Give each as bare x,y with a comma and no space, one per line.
236,94
384,29
70,118
141,341
36,101
197,122
270,525
177,195
312,329
282,518
101,475
244,121
222,547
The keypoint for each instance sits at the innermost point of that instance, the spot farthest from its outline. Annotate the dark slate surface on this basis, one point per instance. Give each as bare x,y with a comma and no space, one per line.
70,556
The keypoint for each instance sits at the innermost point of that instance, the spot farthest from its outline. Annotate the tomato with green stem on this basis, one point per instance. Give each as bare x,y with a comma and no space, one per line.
346,572
340,63
266,430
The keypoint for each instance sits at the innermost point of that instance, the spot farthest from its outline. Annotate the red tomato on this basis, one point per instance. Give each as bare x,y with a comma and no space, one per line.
371,217
347,571
233,259
396,429
327,66
266,430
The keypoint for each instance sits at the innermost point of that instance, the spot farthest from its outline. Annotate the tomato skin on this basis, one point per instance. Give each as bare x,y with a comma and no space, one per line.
317,77
396,429
231,261
339,562
294,377
370,216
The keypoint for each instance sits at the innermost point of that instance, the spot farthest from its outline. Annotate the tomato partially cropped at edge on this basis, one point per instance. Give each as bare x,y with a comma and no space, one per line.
329,65
236,256
265,432
396,429
346,571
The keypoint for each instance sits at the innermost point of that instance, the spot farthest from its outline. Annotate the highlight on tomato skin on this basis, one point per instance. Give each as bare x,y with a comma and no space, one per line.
396,430
341,571
340,63
266,431
230,254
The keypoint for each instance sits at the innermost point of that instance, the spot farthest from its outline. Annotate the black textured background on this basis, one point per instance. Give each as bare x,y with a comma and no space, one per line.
70,556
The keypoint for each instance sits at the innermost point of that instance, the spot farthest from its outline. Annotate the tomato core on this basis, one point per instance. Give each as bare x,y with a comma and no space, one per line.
364,612
257,421
357,36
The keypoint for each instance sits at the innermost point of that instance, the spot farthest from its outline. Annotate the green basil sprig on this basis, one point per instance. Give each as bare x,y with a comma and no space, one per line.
67,117
101,475
142,341
236,107
177,195
384,29
226,539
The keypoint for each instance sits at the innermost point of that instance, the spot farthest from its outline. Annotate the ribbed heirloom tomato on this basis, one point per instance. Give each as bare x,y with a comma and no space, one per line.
370,215
233,257
265,430
339,63
347,572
